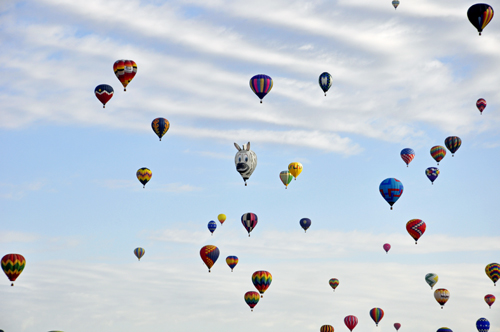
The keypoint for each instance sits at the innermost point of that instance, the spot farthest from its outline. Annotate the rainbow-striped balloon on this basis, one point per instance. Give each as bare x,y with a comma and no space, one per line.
326,328
232,261
252,298
261,85
144,175
376,314
438,152
139,252
493,272
334,282
262,280
12,266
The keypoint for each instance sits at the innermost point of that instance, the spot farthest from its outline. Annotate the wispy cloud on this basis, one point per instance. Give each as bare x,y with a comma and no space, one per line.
11,191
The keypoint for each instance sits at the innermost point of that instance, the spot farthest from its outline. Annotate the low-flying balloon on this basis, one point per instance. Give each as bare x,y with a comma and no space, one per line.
125,71
209,255
376,314
286,178
104,93
438,152
442,296
407,155
12,266
395,3
483,325
262,280
334,282
295,169
397,326
325,81
261,85
212,226
480,15
249,221
326,328
489,299
160,126
252,298
432,173
431,279
453,143
387,247
221,217
493,272
351,322
416,228
245,161
305,223
139,252
231,261
391,189
144,175
481,105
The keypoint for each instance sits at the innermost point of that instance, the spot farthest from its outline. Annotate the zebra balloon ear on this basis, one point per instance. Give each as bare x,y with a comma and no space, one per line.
237,146
248,146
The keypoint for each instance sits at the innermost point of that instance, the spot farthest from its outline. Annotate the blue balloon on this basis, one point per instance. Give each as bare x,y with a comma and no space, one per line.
483,325
325,81
305,223
391,189
212,226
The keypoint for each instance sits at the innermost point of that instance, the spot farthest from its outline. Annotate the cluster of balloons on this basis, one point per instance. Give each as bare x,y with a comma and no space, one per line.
294,169
125,71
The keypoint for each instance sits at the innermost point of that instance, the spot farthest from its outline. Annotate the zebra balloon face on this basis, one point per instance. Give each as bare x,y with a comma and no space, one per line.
245,161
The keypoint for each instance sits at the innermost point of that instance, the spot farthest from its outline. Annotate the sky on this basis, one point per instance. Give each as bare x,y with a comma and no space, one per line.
70,202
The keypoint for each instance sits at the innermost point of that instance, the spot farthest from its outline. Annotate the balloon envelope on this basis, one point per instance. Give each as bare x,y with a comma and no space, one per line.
160,126
325,81
209,255
212,226
493,272
144,175
438,152
232,261
326,328
305,223
416,228
395,3
481,105
442,296
387,247
12,266
391,189
432,173
252,298
334,282
125,71
286,177
139,252
261,85
351,322
489,299
295,169
444,329
249,221
407,155
483,325
480,15
104,93
262,280
397,326
221,217
453,143
431,279
376,314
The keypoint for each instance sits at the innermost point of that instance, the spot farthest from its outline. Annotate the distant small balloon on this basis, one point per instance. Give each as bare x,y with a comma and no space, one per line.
387,247
252,298
160,126
480,15
144,175
286,177
442,296
334,282
305,223
104,93
438,152
493,272
232,261
262,280
326,328
125,71
209,255
261,85
221,217
444,329
391,190
416,228
397,326
453,143
351,322
295,169
481,105
325,81
377,314
139,252
431,279
395,3
249,221
212,226
407,155
489,299
432,173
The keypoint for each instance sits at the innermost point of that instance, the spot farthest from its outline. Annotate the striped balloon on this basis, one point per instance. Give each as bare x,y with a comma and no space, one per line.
489,299
249,221
144,175
261,85
12,266
262,280
395,3
438,152
407,155
493,272
483,325
125,71
286,178
252,298
481,105
139,252
232,261
334,282
326,328
104,93
480,15
305,223
444,329
325,81
453,143
416,228
209,255
351,322
442,296
160,126
431,279
376,314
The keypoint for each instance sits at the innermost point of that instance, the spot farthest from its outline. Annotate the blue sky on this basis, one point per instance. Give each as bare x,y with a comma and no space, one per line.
71,204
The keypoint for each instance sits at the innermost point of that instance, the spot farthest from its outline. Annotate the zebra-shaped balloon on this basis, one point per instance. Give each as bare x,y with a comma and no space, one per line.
245,161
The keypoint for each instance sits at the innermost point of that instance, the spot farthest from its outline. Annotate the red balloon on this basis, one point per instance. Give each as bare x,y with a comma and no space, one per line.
351,322
397,326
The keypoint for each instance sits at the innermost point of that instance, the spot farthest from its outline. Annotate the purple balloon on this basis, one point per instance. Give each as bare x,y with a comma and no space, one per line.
432,173
387,247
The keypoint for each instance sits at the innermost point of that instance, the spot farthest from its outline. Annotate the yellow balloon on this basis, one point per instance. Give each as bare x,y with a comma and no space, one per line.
295,169
222,218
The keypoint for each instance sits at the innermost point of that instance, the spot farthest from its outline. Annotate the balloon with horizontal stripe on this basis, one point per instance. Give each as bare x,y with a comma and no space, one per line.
489,299
144,175
326,328
442,296
305,223
139,252
453,143
480,15
438,152
209,255
252,298
334,282
262,280
12,266
407,155
325,81
391,190
376,314
431,279
395,3
351,321
432,173
481,105
232,261
104,93
483,325
125,71
416,228
160,126
493,272
261,85
249,221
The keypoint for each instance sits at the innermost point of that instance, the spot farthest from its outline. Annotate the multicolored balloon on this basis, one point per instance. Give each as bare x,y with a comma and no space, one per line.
391,189
442,296
325,81
432,173
295,169
395,3
212,226
221,217
262,280
305,223
286,178
444,329
453,143
407,155
351,322
493,272
252,298
376,314
431,279
480,15
209,255
481,105
231,261
249,221
261,85
438,152
160,126
416,228
326,328
334,282
489,299
139,252
387,247
397,326
12,266
144,175
483,325
125,71
104,93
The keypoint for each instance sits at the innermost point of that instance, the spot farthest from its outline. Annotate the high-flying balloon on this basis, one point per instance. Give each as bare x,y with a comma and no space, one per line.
438,152
376,314
160,126
221,217
295,169
249,221
334,282
453,144
261,85
209,255
432,173
139,252
325,81
305,223
252,298
144,175
351,322
480,15
231,261
125,71
493,272
262,280
407,155
442,296
12,266
431,279
483,325
245,161
387,247
397,326
489,299
286,178
104,93
395,3
212,226
391,189
481,105
326,328
416,228
444,329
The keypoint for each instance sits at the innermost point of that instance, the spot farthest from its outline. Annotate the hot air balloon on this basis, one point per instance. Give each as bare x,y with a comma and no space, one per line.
104,92
209,255
245,161
391,189
125,71
160,126
252,298
489,299
432,173
442,296
295,169
493,272
431,279
407,155
351,322
231,261
261,85
139,252
326,328
144,175
305,223
249,221
397,326
481,105
262,280
453,144
480,15
483,325
325,81
438,152
376,314
444,329
12,266
416,228
387,247
286,178
212,226
395,3
221,217
334,282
